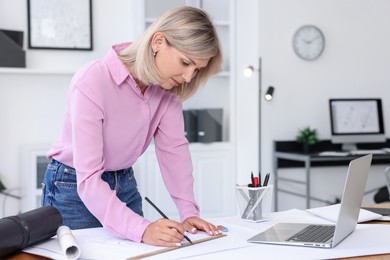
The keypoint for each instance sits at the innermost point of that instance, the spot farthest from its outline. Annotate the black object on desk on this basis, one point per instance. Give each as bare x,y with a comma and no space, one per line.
27,229
382,195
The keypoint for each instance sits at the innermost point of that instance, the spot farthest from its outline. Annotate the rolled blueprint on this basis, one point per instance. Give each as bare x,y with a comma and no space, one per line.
26,229
68,243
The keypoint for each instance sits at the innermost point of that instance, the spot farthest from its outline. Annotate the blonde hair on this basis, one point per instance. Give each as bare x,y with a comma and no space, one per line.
191,32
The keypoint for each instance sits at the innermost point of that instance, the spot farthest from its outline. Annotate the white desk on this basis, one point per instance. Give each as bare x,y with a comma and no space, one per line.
368,239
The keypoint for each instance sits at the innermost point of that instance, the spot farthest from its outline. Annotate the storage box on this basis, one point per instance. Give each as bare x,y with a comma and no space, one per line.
11,49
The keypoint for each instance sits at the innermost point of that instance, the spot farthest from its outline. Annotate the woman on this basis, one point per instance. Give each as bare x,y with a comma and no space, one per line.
115,106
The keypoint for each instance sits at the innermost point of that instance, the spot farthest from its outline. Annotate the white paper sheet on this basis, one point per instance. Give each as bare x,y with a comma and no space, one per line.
331,213
97,243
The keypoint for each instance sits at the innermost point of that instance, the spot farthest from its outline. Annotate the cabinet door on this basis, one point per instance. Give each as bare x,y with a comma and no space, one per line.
213,186
214,182
151,185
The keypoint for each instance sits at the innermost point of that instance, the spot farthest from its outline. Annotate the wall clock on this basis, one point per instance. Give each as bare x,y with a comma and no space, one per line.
308,42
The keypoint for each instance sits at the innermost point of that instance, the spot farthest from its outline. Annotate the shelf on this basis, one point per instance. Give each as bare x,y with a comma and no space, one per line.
223,73
217,23
221,23
197,146
27,71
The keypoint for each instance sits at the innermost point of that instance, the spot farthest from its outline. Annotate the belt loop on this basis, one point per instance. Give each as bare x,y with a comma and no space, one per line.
56,174
116,179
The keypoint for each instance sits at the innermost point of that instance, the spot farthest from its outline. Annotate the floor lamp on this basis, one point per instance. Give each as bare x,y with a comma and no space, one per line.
260,100
248,72
268,96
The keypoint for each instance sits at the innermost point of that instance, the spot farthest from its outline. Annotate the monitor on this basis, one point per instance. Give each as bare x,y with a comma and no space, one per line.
356,121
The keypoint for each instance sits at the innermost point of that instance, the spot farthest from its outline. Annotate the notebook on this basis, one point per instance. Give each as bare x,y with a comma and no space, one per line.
323,235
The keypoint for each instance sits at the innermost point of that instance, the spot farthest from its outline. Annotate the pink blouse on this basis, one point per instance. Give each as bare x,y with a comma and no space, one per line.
108,124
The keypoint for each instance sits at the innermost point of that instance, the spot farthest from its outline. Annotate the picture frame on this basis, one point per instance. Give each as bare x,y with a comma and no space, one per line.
60,24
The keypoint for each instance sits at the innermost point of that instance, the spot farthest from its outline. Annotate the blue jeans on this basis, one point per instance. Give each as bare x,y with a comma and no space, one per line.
59,189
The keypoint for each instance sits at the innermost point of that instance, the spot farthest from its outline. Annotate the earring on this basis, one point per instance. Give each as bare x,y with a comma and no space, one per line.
154,54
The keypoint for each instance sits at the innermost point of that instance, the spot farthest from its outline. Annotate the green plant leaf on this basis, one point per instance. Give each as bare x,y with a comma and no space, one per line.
307,135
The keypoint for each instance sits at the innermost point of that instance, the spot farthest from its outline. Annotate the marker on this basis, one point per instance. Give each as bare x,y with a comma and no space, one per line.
255,182
163,215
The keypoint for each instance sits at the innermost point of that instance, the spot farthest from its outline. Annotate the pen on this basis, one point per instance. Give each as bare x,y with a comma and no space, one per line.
252,181
259,179
266,179
163,215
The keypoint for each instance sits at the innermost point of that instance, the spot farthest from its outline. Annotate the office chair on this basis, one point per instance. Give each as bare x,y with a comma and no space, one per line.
383,194
387,175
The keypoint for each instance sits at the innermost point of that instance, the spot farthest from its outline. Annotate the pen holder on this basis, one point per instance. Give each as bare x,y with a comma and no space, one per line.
254,203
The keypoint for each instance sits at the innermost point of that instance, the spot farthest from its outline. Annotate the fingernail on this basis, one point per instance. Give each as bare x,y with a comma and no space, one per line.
211,232
222,228
178,244
193,229
216,232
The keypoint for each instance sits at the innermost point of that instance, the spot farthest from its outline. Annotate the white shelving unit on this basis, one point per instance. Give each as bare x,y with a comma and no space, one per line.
25,71
219,90
213,163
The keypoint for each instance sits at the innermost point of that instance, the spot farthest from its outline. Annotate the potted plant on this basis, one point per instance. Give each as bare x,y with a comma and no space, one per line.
307,137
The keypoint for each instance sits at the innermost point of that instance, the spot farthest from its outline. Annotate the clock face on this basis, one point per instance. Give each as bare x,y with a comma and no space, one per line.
308,42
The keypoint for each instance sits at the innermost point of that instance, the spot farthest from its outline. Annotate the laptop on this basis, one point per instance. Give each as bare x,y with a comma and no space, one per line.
324,235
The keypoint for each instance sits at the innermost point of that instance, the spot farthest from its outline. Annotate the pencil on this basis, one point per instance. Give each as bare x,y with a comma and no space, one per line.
164,216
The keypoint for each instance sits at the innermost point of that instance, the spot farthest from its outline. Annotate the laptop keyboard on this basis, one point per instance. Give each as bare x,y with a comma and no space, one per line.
313,233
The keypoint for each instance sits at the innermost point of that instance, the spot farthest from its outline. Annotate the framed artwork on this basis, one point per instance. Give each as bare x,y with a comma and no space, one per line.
60,24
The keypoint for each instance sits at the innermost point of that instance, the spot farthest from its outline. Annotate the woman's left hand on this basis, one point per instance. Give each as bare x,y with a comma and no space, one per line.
192,224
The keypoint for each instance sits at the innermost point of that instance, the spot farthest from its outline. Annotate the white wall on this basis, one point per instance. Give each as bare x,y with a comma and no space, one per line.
355,63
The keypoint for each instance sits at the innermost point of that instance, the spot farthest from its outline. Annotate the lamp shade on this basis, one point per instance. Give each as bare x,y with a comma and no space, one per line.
269,94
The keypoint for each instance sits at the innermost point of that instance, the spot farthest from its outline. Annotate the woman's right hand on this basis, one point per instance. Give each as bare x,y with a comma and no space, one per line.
164,232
